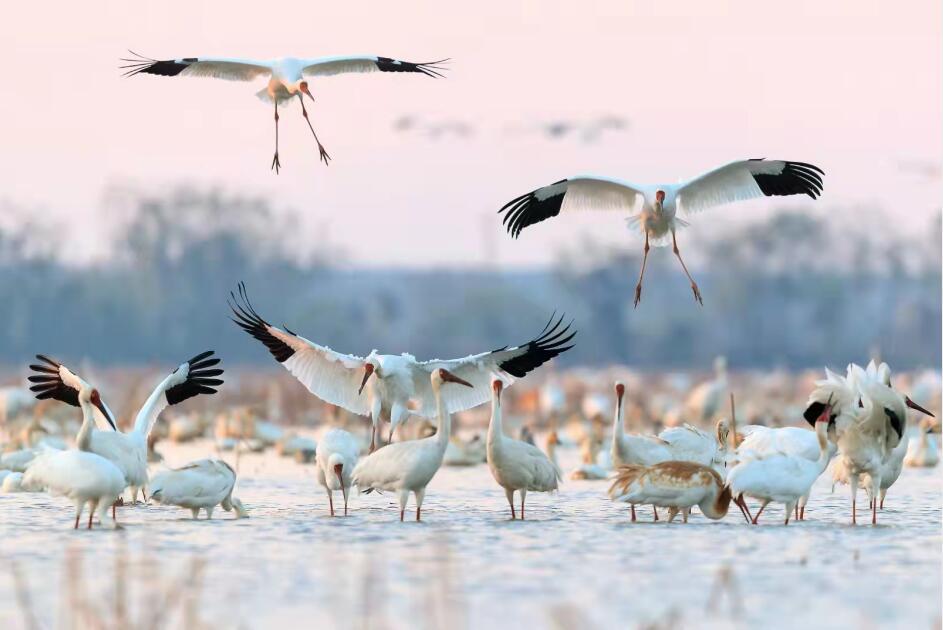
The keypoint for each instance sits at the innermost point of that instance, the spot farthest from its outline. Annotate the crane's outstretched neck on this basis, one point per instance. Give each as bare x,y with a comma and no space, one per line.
83,441
496,427
147,416
444,429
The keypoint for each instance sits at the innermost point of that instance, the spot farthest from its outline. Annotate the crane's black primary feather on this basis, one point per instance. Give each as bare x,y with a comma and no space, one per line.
164,68
549,343
200,379
534,207
796,178
429,68
49,384
251,322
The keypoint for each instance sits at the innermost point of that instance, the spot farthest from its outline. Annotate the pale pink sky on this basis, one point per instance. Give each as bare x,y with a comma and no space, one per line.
851,85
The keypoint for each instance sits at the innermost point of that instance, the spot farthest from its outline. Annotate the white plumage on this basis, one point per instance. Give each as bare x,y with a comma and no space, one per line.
286,76
406,467
82,476
336,456
202,484
128,451
384,385
653,208
780,477
514,464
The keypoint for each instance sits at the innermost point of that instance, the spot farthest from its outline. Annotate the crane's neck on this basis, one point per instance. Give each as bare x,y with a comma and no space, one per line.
717,507
821,431
154,404
444,429
495,427
83,441
618,438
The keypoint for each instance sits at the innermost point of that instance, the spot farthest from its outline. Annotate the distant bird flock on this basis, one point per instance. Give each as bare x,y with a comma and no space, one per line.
858,420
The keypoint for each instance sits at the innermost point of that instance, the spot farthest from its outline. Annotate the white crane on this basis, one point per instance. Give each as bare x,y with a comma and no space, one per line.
202,484
129,450
674,485
780,477
922,452
515,464
406,467
336,456
342,379
792,441
286,76
869,425
653,208
83,476
874,444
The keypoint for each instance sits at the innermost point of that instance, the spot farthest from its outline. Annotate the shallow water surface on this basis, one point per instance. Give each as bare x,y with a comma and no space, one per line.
577,562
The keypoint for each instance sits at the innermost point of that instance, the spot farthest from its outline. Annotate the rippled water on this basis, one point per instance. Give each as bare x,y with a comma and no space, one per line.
575,563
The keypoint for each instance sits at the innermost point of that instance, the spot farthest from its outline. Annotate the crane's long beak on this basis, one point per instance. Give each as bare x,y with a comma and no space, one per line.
367,371
338,468
917,407
448,376
107,413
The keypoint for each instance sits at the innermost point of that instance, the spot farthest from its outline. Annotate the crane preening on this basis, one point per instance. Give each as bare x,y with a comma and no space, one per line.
286,76
653,208
383,385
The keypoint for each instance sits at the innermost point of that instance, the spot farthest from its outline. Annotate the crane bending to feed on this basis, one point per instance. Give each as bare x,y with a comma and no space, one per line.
345,380
653,208
286,76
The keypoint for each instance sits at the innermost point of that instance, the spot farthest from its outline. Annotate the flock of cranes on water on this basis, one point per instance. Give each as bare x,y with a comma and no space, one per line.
859,418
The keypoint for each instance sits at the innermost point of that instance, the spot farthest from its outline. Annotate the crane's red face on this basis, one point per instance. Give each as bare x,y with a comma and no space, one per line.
660,196
303,86
497,386
620,390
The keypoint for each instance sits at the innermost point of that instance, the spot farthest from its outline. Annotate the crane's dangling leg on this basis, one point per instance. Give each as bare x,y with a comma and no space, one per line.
275,163
641,275
330,500
697,292
304,112
510,495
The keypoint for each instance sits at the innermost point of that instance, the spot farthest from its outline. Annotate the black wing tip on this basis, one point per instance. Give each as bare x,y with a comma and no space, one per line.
142,64
255,325
527,209
795,178
549,343
433,69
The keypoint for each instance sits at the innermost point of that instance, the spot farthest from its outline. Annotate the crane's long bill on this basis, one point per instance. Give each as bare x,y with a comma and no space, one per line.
367,371
917,407
448,376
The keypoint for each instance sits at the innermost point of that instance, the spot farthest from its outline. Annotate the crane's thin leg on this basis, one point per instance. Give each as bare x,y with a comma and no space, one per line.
632,508
853,484
746,508
304,112
672,513
757,517
743,511
373,438
420,495
655,509
638,287
523,494
697,292
685,513
510,495
92,505
275,163
883,494
330,500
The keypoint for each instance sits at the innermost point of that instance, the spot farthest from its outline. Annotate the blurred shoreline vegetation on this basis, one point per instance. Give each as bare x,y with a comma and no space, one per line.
795,290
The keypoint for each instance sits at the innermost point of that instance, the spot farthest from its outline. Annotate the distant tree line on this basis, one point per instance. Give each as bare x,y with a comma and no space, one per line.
794,291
